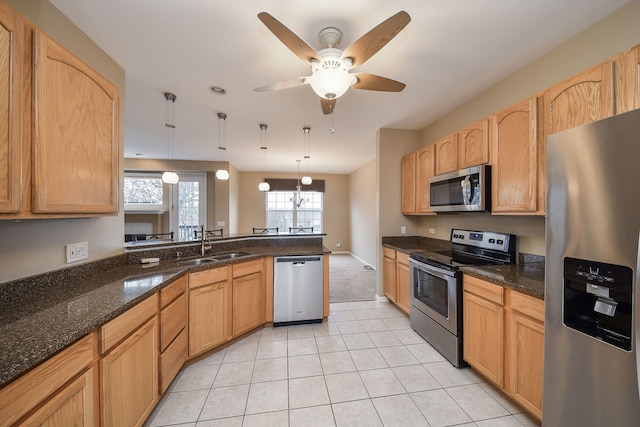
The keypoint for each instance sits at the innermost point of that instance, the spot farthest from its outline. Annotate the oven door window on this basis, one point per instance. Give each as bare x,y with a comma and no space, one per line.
432,291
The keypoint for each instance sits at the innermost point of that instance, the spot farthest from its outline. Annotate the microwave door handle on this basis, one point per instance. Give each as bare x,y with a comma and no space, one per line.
466,190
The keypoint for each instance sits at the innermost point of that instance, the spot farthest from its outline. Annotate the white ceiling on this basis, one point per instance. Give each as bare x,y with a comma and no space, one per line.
449,52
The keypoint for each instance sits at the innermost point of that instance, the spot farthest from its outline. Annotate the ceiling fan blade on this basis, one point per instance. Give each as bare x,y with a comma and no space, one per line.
367,46
372,82
327,105
289,38
286,84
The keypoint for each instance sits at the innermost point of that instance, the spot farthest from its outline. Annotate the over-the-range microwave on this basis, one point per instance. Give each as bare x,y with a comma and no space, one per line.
465,190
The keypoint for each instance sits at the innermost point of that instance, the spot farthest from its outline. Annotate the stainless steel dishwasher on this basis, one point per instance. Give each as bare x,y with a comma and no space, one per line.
297,289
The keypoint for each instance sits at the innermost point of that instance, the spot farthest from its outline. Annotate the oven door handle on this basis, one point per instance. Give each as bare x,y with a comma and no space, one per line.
431,269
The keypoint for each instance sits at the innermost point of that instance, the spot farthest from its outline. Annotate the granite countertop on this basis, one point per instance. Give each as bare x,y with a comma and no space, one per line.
527,276
44,314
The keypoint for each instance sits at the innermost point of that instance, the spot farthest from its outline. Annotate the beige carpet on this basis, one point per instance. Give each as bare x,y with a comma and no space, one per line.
350,279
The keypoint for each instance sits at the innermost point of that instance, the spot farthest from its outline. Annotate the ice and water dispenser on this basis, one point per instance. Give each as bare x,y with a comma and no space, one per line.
598,300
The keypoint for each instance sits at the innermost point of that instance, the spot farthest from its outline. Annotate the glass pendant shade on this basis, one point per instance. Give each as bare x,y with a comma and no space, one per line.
222,174
170,178
306,180
331,83
264,186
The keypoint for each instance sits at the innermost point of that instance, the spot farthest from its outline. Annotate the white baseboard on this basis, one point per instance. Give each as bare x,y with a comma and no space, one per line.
355,256
381,298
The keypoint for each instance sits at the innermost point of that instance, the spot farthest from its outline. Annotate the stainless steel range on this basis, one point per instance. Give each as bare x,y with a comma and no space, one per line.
436,285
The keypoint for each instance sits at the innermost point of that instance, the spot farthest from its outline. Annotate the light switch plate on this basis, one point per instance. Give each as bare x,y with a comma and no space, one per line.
77,251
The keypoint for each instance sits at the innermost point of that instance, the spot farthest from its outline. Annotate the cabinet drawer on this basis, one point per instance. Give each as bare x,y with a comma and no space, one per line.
389,253
28,391
402,258
486,290
117,329
173,319
208,276
528,305
245,268
172,359
171,292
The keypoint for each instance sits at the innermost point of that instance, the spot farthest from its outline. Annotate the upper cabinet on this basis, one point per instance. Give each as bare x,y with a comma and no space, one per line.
627,89
408,182
59,149
425,169
473,145
579,100
447,154
11,56
514,146
75,143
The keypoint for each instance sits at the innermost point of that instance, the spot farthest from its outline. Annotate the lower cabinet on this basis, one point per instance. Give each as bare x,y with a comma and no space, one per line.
64,388
209,305
247,296
396,278
129,370
173,331
504,340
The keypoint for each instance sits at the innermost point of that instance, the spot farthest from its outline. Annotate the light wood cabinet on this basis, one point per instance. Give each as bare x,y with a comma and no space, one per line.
247,296
626,80
504,340
63,387
473,145
402,278
447,154
389,275
396,278
75,141
425,169
526,352
129,370
173,331
408,190
579,100
209,309
484,328
11,62
518,184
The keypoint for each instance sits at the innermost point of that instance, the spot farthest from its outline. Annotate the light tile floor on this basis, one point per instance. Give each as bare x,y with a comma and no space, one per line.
364,367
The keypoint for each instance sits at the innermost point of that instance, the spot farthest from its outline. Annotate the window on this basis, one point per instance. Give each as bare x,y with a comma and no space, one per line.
283,213
144,192
189,213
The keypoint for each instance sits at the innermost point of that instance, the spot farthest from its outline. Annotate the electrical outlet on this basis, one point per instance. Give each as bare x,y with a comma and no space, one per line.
220,223
403,229
77,251
338,245
432,231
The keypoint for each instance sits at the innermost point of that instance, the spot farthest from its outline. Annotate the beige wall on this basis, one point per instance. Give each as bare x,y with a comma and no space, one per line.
363,215
252,209
31,247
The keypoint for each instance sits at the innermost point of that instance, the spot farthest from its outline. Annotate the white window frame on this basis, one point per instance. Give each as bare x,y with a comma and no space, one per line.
286,205
147,207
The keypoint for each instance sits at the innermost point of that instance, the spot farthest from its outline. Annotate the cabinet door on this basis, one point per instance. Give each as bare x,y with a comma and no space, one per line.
389,278
408,193
582,99
248,303
526,362
75,141
447,154
129,387
627,89
425,169
11,55
402,276
514,172
484,337
72,406
208,317
473,145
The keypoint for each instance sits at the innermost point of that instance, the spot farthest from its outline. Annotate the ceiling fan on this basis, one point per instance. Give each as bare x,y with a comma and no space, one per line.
330,77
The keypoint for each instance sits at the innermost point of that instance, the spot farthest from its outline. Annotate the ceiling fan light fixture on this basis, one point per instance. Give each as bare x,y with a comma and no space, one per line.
331,83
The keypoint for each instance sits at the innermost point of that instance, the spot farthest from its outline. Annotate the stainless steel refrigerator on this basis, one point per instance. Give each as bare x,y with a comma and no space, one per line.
591,353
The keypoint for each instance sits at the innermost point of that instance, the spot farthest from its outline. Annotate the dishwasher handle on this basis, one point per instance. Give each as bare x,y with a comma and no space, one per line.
296,260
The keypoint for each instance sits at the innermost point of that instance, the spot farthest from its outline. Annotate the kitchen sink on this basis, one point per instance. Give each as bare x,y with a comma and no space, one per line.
197,261
231,255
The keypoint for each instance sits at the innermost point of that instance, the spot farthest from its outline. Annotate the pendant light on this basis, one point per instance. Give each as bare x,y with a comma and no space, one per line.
222,174
306,180
264,185
297,197
170,177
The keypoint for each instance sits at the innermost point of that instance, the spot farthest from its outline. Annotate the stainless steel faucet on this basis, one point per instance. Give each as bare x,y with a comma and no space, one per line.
204,242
